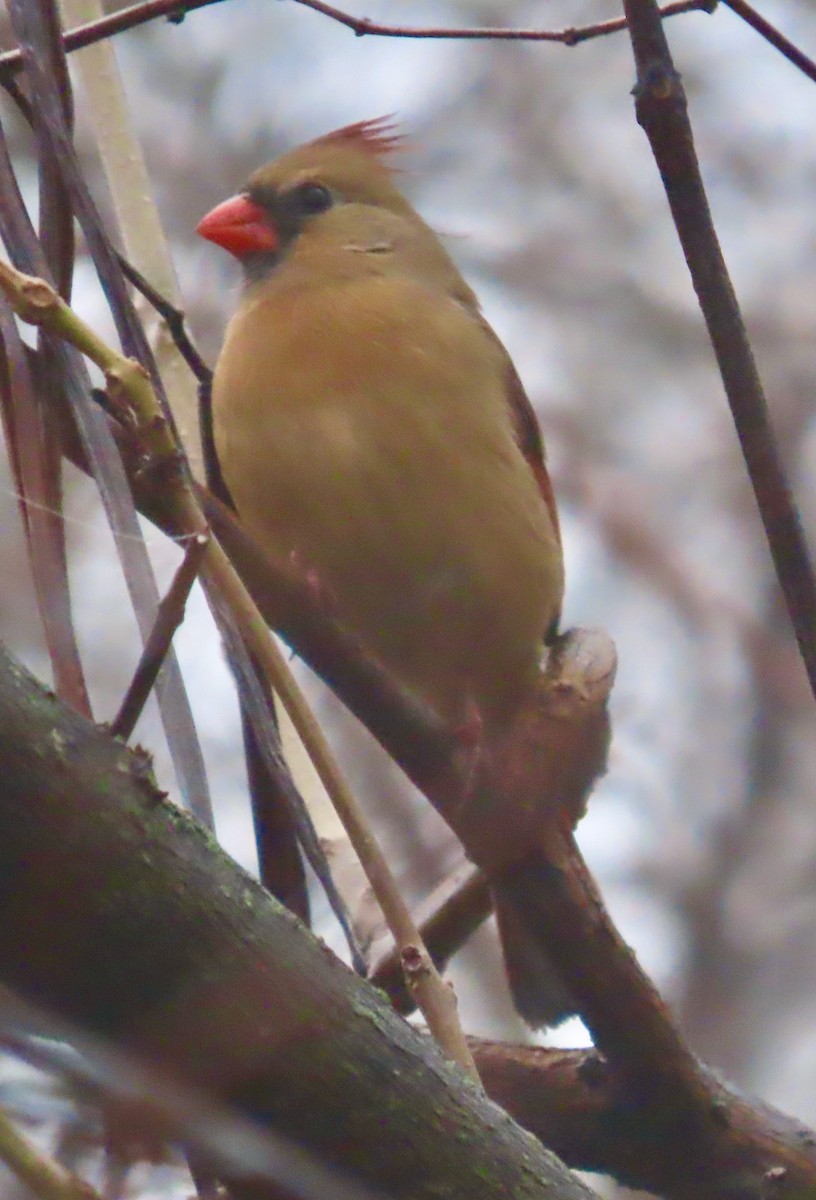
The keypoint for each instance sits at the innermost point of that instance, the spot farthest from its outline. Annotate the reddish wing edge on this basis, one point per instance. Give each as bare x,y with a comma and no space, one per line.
527,430
528,435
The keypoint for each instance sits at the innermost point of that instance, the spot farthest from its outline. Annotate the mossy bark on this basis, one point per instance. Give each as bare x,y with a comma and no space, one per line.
119,912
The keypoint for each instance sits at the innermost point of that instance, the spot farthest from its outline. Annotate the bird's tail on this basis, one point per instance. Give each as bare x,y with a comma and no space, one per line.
538,993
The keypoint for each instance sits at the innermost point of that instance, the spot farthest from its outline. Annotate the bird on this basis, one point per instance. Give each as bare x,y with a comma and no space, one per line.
370,427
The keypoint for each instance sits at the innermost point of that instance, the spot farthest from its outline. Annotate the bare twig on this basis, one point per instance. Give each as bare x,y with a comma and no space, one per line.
168,618
34,453
140,231
56,220
104,27
662,112
31,426
55,142
253,686
771,34
172,316
362,26
447,928
278,826
176,10
46,1178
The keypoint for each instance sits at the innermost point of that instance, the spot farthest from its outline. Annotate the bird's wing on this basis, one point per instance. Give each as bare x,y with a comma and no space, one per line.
526,429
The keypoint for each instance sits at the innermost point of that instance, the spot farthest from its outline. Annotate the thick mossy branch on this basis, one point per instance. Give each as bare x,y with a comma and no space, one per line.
119,912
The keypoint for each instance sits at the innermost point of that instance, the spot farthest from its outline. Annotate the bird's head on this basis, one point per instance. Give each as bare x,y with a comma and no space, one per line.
297,191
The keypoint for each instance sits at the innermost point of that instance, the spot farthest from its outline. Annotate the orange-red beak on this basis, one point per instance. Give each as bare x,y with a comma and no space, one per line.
239,226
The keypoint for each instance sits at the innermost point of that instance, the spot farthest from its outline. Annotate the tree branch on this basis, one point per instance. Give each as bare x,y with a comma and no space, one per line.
660,105
126,918
363,26
118,912
574,1103
177,10
772,35
168,619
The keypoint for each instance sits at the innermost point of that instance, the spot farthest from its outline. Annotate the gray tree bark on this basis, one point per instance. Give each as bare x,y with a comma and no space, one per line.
119,912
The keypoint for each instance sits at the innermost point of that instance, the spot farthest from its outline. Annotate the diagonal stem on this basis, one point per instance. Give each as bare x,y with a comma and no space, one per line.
169,616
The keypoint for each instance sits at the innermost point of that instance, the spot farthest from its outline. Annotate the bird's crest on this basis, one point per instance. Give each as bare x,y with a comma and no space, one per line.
377,136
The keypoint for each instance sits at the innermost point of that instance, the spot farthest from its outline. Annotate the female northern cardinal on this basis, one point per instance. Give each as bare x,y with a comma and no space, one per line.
370,424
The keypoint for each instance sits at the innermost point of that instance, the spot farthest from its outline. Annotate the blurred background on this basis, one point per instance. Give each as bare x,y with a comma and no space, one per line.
528,158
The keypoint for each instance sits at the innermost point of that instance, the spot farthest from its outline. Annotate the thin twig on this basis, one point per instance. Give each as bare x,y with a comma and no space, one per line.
134,211
449,925
771,34
662,112
118,22
45,1177
278,827
56,143
33,436
176,10
168,618
571,36
33,448
55,218
173,318
36,302
253,686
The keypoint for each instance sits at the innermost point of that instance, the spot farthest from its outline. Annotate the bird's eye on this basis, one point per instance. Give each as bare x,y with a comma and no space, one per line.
313,198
